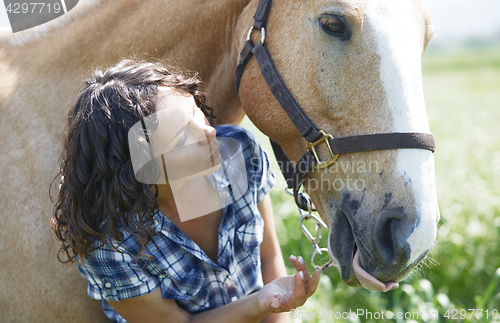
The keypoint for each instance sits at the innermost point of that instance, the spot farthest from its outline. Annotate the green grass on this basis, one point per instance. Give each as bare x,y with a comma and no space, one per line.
462,91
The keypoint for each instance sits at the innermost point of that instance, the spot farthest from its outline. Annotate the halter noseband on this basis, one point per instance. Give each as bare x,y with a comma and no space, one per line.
296,175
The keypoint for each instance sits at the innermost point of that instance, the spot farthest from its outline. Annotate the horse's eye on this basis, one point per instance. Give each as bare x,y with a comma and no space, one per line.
336,26
331,23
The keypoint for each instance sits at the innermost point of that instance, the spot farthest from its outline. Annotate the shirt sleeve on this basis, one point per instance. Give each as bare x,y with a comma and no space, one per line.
114,276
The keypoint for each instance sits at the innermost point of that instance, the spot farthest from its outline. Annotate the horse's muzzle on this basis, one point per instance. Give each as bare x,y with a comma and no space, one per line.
380,242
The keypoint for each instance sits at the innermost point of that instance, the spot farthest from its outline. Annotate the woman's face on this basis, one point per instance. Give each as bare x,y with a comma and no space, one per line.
184,143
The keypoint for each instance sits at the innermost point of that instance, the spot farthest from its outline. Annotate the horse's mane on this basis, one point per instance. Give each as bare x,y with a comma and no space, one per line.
41,31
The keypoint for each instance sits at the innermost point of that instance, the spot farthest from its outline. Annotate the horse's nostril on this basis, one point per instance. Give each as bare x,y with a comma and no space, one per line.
390,237
385,240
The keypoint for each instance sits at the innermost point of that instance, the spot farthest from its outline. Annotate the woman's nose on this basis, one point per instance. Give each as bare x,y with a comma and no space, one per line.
210,133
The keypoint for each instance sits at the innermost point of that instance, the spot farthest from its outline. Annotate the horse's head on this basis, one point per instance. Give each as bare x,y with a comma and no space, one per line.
354,66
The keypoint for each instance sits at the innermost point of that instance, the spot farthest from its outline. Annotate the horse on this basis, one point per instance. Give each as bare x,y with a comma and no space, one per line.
353,65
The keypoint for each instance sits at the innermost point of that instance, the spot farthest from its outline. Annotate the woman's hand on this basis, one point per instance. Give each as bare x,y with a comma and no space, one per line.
289,292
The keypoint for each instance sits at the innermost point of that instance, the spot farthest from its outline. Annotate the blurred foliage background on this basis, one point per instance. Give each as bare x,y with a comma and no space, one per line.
462,91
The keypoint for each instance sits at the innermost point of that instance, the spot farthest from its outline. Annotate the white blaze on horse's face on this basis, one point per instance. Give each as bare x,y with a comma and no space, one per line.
401,74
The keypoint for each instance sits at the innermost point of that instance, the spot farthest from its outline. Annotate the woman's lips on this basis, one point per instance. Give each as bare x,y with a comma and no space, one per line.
368,281
215,154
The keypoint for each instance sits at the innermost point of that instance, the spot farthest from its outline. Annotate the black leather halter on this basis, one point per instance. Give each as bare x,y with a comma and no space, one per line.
296,175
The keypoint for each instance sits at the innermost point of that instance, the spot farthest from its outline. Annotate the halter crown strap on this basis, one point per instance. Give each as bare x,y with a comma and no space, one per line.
261,14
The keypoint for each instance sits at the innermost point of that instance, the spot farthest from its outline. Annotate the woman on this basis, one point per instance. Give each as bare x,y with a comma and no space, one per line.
137,137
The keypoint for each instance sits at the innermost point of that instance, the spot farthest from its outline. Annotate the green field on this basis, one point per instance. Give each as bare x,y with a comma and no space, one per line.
462,91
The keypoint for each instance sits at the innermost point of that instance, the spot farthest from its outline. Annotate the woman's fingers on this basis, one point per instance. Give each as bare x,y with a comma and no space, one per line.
274,303
286,293
299,286
302,289
303,267
271,303
313,283
300,265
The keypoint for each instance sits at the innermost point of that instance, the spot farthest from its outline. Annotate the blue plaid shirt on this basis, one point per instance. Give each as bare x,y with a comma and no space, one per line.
180,268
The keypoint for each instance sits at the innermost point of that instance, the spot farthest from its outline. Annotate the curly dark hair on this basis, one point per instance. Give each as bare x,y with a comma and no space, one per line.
98,194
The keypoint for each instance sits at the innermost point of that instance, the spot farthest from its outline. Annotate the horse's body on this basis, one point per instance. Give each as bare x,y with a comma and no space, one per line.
369,84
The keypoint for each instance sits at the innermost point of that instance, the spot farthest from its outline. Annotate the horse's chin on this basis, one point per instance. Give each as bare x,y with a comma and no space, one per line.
368,281
356,276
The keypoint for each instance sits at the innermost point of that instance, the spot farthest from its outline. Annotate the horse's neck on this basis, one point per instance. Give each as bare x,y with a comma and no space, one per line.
105,31
198,37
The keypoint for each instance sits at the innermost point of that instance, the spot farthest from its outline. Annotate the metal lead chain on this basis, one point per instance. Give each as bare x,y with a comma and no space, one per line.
307,215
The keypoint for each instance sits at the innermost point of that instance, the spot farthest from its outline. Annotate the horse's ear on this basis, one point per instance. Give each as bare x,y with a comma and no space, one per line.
25,15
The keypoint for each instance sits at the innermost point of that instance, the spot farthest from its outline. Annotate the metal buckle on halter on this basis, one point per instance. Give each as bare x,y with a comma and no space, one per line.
262,34
311,146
